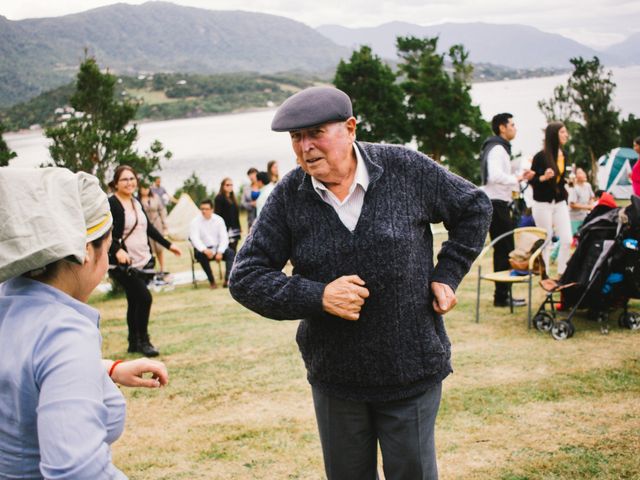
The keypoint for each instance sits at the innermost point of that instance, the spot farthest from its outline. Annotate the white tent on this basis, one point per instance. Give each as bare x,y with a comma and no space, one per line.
613,172
180,217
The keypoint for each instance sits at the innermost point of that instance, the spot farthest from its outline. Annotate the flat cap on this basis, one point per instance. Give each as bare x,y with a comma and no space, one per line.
310,107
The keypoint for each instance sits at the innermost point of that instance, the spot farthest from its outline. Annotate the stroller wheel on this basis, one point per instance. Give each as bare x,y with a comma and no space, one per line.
561,330
630,320
543,322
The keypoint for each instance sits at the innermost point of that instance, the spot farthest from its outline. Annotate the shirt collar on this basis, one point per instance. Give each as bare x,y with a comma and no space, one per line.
361,176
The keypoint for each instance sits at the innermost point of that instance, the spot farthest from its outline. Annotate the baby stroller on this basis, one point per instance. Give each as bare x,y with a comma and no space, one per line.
602,274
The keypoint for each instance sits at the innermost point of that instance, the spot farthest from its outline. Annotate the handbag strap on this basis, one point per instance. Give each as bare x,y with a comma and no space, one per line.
135,212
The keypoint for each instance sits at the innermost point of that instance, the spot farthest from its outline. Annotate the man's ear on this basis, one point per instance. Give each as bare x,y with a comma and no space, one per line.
351,125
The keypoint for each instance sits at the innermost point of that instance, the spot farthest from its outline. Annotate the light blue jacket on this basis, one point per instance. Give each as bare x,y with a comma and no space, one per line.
59,410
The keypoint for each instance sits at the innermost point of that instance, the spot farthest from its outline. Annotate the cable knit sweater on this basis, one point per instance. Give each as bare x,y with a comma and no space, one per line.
399,347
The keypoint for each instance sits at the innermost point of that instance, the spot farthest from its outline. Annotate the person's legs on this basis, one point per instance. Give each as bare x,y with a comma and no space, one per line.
138,310
543,215
501,223
405,429
349,445
204,263
562,228
228,256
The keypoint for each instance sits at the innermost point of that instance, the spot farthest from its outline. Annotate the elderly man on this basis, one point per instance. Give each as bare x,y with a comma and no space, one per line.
354,219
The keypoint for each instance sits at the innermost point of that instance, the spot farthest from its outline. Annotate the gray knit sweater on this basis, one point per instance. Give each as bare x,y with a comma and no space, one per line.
399,347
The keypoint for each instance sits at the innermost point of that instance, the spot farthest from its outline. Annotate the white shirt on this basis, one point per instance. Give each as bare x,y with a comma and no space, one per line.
262,198
350,208
210,233
500,181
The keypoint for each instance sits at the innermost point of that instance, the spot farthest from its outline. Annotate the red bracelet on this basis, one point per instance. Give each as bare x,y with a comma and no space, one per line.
113,366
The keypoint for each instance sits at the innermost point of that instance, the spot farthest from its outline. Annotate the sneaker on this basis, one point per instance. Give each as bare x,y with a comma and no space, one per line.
517,302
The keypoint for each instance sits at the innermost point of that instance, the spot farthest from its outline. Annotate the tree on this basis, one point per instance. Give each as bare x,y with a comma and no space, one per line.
195,188
444,121
377,99
5,153
629,130
98,137
587,103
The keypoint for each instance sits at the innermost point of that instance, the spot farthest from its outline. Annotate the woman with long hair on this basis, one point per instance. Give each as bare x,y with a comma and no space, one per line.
131,252
226,205
60,407
550,210
272,170
157,215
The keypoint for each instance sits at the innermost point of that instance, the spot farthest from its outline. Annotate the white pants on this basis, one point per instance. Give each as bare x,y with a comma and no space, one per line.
554,217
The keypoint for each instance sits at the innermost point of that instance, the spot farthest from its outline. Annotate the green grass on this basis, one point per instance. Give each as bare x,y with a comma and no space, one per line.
520,406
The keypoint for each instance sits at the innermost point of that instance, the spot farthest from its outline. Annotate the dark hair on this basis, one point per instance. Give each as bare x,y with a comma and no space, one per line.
207,201
221,192
118,173
50,271
636,140
552,144
252,170
500,119
273,177
263,177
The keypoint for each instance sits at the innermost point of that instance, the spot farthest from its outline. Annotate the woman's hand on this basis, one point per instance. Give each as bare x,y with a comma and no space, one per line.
123,257
548,174
175,250
130,373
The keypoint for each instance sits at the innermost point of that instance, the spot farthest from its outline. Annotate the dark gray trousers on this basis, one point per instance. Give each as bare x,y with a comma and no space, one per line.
350,432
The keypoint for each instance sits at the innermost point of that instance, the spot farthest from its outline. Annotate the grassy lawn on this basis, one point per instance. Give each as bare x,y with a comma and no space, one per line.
519,405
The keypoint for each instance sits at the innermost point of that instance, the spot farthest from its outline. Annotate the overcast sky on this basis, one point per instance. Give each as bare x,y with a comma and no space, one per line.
597,23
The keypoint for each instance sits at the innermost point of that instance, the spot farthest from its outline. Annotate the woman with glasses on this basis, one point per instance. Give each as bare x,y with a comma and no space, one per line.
226,206
130,252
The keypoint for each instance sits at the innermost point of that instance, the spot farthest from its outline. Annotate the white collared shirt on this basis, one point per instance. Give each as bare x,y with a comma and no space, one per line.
350,208
211,233
501,182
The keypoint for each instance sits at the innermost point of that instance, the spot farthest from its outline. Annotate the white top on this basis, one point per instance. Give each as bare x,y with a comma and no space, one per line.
262,198
501,182
348,209
210,233
580,194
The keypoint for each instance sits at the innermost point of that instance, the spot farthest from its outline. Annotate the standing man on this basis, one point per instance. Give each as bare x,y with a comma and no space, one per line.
354,219
266,187
499,184
210,240
161,192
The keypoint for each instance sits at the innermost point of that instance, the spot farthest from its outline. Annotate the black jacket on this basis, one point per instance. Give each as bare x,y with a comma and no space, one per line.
552,189
228,211
117,212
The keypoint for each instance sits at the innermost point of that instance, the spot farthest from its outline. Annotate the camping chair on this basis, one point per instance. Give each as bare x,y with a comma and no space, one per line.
520,235
195,262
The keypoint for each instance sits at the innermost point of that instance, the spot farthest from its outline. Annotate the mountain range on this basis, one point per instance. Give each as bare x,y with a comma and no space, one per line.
516,46
40,54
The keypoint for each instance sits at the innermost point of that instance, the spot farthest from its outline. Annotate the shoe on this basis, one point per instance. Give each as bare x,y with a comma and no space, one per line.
147,349
225,284
517,302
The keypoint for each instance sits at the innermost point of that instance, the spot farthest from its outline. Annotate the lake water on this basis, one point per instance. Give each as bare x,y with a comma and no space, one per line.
227,145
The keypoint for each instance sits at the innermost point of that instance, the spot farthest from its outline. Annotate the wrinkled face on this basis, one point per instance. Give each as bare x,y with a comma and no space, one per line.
206,210
509,130
325,152
127,183
563,136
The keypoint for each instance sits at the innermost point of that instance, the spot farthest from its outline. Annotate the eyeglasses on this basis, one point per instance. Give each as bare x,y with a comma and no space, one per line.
128,179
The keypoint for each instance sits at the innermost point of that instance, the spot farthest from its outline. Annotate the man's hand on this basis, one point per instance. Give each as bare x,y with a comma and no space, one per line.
527,175
344,297
218,257
208,253
444,299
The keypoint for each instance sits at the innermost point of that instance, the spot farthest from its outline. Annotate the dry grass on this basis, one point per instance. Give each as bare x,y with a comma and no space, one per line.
519,405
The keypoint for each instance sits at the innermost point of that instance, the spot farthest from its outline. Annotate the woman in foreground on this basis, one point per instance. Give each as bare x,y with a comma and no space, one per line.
59,408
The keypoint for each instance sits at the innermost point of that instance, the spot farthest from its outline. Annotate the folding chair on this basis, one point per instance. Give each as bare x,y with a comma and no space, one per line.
505,275
195,262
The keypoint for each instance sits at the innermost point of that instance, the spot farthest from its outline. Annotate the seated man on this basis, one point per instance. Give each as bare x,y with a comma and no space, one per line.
208,235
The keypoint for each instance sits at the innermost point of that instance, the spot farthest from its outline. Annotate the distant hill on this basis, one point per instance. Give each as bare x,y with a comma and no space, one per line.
40,54
514,46
628,51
